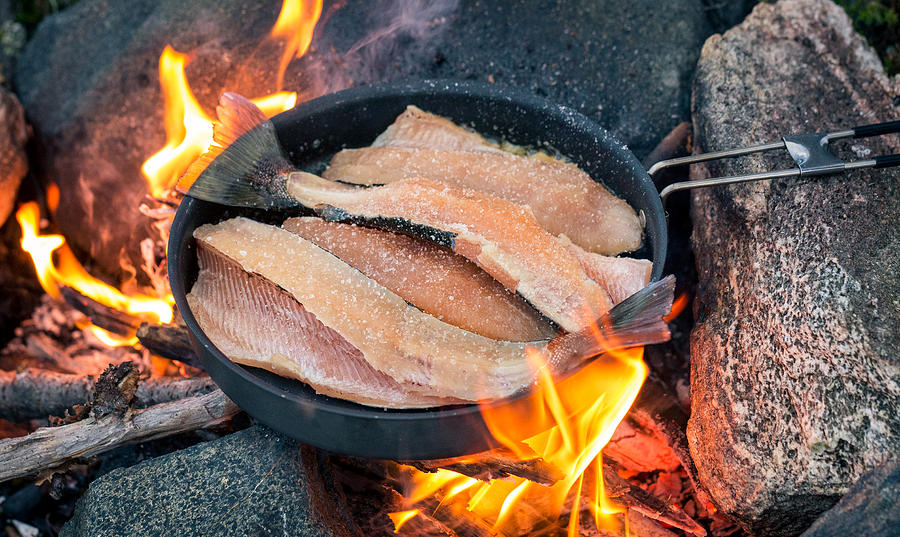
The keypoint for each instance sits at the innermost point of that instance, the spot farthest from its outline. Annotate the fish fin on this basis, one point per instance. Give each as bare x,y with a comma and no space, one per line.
237,115
637,320
245,166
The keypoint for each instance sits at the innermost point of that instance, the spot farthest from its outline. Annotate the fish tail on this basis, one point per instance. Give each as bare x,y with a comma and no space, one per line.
245,166
637,320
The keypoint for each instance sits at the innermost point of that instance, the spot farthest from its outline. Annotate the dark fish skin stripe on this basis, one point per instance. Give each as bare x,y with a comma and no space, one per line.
398,225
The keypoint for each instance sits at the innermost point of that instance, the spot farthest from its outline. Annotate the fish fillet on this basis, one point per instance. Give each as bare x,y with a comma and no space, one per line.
564,199
417,128
417,350
255,323
435,280
501,237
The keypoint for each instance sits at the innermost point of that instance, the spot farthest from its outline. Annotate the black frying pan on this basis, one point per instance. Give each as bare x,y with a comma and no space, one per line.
312,133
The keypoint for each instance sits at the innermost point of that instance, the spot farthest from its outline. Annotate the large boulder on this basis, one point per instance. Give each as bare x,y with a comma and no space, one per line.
248,483
89,83
795,356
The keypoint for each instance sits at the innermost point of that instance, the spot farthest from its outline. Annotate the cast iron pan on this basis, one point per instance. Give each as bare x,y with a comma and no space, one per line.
311,133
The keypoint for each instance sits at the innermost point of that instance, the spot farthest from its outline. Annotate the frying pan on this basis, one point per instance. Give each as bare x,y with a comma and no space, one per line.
311,134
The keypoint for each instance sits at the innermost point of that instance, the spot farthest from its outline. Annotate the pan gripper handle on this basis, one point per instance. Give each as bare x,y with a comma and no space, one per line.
809,151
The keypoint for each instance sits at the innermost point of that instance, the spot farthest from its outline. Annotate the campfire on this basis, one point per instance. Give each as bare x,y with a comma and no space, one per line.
101,366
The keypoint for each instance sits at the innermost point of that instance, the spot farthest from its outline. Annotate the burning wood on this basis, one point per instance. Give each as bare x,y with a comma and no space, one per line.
169,341
106,317
495,464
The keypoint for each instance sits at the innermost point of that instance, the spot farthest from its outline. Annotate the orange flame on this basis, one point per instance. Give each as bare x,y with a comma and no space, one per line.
295,26
576,416
678,306
57,266
402,517
189,129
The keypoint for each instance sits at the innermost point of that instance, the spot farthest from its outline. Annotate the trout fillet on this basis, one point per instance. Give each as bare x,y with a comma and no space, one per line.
501,237
419,352
433,279
564,199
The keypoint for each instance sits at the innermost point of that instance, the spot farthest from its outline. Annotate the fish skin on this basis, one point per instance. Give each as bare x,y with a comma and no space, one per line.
412,347
501,237
435,280
238,311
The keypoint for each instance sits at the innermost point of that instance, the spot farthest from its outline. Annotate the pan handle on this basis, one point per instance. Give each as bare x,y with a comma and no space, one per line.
876,129
809,151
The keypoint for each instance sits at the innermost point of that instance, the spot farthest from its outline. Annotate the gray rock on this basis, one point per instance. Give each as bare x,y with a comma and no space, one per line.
13,161
89,81
795,356
870,508
248,483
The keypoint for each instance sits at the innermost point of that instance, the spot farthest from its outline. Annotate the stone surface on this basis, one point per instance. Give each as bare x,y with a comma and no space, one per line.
870,508
795,360
13,161
89,81
248,483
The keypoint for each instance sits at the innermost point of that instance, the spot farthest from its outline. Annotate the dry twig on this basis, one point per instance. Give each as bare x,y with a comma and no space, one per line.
38,393
49,447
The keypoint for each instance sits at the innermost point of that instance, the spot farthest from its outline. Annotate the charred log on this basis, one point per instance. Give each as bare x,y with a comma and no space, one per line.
624,493
169,341
105,317
494,464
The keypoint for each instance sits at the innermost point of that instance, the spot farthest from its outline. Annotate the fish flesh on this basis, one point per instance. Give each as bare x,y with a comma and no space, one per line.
432,278
564,199
501,237
417,128
256,323
269,298
418,351
620,277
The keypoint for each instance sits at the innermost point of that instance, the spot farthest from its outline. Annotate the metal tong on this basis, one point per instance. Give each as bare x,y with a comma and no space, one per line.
809,151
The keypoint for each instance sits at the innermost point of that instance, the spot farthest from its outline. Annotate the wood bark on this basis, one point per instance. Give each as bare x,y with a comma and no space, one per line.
37,393
49,447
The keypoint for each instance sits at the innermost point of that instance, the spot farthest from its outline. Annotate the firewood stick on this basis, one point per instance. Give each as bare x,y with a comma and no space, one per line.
37,393
49,447
494,464
101,315
169,341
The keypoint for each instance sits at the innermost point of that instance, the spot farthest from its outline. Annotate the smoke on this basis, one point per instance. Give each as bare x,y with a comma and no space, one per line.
403,22
374,41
